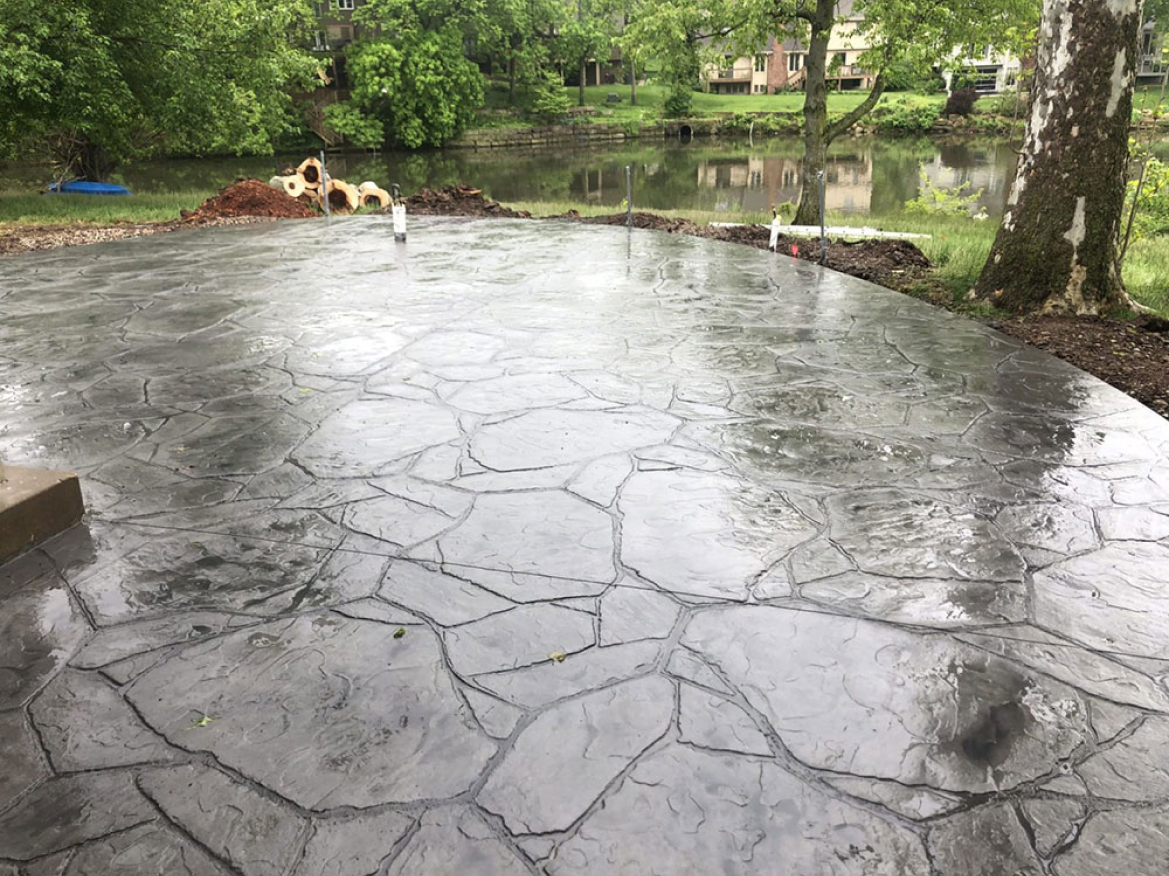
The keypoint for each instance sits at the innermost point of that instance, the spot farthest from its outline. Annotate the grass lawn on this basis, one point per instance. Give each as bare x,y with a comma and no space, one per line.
958,246
20,208
651,100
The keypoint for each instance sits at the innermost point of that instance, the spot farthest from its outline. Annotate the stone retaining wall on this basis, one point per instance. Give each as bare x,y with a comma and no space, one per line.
550,135
583,135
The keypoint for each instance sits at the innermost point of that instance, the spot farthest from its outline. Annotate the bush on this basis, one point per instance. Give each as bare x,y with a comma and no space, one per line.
908,118
1152,212
935,201
961,102
355,126
1009,103
680,102
549,99
739,123
907,76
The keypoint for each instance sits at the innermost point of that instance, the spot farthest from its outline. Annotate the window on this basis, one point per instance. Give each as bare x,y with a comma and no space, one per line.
795,63
841,58
344,5
760,63
320,43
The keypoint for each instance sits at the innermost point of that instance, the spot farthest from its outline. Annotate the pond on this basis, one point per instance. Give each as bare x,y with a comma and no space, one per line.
867,175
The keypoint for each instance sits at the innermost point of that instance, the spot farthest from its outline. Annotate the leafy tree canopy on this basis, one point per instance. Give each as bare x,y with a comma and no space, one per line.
99,81
418,84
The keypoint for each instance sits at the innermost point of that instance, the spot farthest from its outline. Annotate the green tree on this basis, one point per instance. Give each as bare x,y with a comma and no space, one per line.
581,37
418,85
521,32
678,37
95,82
921,33
549,101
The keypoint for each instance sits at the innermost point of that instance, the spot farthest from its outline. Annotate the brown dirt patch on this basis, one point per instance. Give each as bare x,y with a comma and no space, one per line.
1132,356
250,197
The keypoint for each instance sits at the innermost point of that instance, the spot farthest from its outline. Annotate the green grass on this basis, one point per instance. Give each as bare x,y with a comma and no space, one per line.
651,101
1146,273
957,246
26,209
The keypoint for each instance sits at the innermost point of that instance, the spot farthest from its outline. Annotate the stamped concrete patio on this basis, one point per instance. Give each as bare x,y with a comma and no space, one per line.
533,548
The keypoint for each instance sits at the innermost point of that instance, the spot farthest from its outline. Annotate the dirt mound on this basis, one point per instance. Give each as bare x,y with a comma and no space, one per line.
460,200
1129,355
250,197
640,220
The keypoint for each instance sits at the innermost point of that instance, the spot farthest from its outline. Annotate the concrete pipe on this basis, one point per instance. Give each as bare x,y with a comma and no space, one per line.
310,170
367,186
343,198
293,186
374,198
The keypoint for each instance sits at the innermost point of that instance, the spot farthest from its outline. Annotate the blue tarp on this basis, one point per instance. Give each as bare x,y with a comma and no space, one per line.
80,187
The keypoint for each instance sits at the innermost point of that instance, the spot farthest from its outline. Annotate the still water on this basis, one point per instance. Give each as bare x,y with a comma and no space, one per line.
865,175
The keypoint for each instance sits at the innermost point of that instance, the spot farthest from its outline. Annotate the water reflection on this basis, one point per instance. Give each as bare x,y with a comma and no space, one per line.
865,175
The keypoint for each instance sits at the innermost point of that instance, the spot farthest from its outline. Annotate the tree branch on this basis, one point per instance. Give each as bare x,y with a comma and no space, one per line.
838,127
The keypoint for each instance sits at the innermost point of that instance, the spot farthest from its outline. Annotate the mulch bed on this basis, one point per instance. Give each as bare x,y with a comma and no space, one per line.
1132,356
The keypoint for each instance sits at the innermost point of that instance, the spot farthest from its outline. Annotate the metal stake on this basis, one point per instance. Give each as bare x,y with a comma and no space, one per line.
629,195
325,187
823,230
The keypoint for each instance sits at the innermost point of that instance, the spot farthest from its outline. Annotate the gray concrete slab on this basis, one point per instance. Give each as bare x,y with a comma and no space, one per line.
534,548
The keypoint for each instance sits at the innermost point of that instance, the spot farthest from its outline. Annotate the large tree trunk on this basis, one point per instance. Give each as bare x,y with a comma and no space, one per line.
1056,249
584,74
815,117
632,80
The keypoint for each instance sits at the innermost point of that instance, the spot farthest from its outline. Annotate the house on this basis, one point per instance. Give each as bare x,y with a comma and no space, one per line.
335,26
335,30
779,66
1153,68
987,69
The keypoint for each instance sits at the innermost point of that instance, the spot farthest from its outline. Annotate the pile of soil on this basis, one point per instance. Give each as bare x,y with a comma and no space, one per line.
250,197
1132,356
460,200
640,220
887,262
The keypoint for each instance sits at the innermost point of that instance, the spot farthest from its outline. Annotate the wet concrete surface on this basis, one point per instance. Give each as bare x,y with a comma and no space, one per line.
546,549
